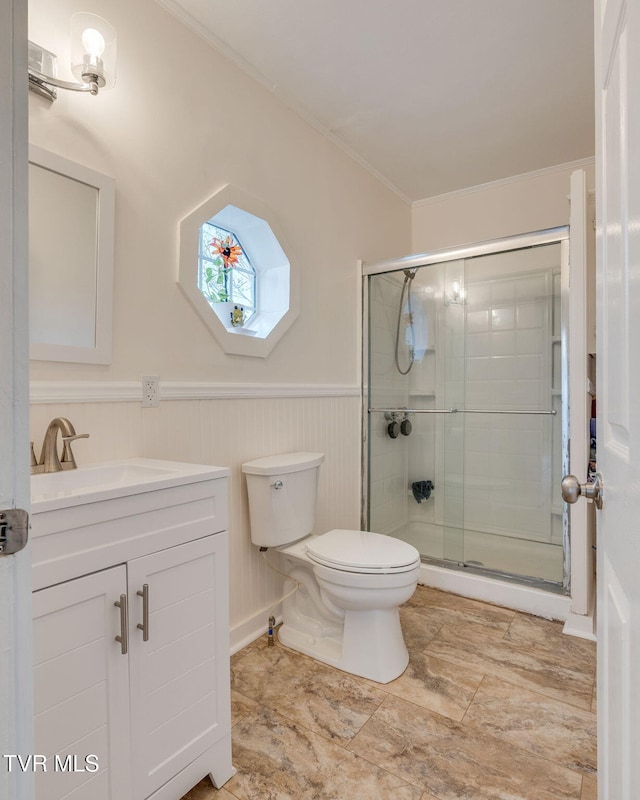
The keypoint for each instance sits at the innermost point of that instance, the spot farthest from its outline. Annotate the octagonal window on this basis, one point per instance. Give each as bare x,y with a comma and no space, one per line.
236,274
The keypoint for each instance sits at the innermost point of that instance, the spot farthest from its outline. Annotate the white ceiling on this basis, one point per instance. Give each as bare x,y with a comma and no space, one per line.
430,95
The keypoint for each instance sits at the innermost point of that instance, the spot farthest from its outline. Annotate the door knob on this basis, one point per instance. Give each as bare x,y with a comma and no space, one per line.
572,489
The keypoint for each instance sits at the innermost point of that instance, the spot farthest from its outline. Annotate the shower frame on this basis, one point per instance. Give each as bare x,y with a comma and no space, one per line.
559,235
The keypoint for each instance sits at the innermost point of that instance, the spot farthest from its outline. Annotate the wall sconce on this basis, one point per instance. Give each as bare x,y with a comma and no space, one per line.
93,59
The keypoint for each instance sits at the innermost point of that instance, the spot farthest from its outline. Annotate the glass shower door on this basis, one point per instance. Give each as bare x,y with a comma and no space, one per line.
465,411
513,514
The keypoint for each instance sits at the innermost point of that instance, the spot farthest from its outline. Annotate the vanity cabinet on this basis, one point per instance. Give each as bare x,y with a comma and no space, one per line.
140,688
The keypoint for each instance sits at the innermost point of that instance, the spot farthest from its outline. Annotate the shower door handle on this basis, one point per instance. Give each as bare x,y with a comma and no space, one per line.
572,489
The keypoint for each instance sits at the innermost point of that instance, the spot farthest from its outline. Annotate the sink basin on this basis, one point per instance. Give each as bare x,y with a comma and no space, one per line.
89,484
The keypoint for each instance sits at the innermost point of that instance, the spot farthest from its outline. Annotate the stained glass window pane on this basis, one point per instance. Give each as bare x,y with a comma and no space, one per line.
225,273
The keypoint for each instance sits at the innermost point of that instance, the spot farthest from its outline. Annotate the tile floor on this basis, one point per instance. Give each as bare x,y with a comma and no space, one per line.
494,705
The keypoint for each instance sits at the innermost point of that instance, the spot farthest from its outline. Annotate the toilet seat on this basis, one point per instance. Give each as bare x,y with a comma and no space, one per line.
362,551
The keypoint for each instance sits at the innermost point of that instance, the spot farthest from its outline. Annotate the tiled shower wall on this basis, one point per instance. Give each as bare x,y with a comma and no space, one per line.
507,475
227,432
512,362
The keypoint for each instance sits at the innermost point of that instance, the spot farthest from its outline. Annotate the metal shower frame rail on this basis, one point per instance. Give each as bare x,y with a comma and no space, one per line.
490,247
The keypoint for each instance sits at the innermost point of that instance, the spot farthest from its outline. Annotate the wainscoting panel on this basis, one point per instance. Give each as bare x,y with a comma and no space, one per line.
227,432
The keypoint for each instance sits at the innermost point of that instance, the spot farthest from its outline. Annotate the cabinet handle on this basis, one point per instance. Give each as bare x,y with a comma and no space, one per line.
124,624
144,627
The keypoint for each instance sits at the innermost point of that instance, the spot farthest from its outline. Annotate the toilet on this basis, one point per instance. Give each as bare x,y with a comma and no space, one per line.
350,583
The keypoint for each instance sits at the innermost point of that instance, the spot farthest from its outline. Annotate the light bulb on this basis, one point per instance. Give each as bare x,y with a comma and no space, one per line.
93,42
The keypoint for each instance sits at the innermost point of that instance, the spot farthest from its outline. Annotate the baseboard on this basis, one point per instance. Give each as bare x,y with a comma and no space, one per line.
476,587
253,628
582,625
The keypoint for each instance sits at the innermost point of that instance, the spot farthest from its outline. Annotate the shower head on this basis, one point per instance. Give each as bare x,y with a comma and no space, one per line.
410,274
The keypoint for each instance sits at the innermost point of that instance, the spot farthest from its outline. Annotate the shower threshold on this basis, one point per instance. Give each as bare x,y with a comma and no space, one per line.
473,568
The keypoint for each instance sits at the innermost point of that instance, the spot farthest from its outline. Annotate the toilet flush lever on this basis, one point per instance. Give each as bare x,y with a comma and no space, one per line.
278,485
572,489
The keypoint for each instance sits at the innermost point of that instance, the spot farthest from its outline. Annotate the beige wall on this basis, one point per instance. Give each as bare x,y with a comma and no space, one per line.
182,122
518,205
526,203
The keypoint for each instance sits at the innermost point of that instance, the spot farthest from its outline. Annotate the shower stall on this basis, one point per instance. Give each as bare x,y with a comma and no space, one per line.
465,406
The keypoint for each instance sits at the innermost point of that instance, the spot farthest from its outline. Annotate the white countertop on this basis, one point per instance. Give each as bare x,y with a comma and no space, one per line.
95,482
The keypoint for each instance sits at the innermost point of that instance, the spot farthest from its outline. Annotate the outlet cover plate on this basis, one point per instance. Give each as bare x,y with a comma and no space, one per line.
150,391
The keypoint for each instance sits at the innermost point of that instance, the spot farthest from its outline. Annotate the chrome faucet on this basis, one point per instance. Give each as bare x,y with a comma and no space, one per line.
49,459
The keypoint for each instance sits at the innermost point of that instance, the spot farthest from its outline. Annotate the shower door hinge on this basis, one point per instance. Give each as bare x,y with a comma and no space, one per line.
14,530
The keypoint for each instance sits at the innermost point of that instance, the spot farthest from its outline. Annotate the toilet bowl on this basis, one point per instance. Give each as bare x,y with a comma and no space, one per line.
350,583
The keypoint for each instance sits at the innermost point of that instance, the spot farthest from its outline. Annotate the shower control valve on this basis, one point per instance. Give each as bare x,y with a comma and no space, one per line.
399,423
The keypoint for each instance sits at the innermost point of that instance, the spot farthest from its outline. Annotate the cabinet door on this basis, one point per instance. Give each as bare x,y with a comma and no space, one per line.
81,689
180,675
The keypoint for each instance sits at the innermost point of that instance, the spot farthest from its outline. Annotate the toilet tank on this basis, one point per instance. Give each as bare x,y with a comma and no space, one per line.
282,497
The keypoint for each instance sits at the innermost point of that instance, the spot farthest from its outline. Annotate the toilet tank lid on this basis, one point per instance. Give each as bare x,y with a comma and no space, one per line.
283,463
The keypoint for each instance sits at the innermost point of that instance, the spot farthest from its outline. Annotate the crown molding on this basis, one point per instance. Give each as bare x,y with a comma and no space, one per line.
525,176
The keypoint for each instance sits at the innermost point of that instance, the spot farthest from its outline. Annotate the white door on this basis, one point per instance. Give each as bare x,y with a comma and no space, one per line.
16,730
617,29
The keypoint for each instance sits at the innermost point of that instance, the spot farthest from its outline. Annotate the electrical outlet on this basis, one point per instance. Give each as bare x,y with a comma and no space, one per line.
150,391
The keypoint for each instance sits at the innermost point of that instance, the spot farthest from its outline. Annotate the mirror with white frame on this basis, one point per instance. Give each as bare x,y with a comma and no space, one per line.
71,236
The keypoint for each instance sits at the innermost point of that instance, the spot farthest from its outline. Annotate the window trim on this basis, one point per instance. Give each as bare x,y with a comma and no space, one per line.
270,254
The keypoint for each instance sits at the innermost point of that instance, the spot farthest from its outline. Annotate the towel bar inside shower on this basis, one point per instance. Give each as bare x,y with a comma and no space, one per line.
552,412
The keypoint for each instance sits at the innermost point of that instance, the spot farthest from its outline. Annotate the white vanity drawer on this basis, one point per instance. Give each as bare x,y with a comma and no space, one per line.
83,538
